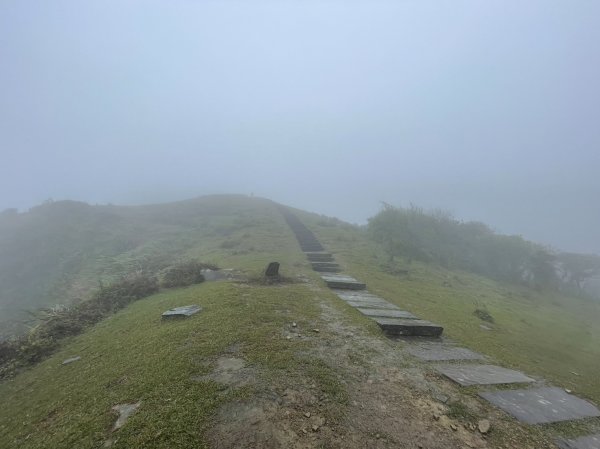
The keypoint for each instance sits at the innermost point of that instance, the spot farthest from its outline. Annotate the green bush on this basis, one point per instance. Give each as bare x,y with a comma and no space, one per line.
186,273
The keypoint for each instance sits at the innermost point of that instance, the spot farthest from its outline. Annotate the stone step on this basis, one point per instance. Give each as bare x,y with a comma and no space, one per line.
541,405
324,264
343,282
306,248
372,305
467,375
415,328
327,269
386,313
319,257
586,442
346,285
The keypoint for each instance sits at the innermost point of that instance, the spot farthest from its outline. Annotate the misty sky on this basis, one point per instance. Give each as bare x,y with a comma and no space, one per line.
488,109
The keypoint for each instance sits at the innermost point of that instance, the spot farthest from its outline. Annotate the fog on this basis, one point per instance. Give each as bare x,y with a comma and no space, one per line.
487,109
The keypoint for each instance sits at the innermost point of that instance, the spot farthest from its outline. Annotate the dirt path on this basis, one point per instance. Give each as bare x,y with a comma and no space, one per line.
390,400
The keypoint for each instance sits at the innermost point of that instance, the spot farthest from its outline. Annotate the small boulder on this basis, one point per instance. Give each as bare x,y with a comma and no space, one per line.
484,426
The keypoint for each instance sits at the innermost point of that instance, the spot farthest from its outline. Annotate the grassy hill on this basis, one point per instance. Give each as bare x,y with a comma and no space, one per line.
286,365
58,252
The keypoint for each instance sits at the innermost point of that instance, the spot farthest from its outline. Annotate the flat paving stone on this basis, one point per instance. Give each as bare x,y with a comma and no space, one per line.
541,405
343,282
181,312
372,305
439,352
367,297
387,313
588,442
354,294
417,328
327,269
467,375
324,264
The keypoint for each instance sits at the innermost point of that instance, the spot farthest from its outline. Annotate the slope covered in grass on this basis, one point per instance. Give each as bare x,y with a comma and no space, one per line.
544,333
56,253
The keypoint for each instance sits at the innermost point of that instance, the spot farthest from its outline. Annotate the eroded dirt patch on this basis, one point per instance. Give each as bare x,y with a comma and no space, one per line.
390,400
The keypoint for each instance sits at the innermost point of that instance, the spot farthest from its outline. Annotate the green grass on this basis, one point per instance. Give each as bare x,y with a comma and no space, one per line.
59,252
544,334
134,356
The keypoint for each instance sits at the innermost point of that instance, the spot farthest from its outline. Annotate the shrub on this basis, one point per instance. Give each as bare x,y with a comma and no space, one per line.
186,273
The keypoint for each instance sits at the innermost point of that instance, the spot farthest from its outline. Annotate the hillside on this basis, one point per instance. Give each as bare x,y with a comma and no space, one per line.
283,365
58,252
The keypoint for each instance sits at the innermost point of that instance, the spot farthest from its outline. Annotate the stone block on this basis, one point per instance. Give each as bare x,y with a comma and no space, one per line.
467,375
541,405
417,328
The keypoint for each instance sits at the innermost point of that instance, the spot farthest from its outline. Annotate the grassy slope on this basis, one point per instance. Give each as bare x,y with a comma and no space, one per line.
543,334
58,252
134,356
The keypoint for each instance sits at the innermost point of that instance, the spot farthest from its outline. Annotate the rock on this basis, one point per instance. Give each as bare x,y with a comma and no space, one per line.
71,360
454,427
484,426
307,414
436,416
289,337
181,312
294,324
316,330
124,411
315,428
568,391
272,270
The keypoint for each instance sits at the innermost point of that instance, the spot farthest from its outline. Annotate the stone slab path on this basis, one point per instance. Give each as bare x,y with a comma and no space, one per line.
532,406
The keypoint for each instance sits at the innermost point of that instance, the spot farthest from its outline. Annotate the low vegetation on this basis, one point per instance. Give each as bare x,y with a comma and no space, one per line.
437,238
56,324
185,273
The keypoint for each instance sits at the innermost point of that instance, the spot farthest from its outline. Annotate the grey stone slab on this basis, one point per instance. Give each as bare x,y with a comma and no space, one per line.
386,313
587,442
439,352
355,295
324,264
372,305
400,326
181,312
541,405
467,375
343,282
319,257
367,298
327,269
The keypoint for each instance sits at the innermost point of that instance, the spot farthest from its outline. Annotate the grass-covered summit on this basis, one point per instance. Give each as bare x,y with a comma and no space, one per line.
59,252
